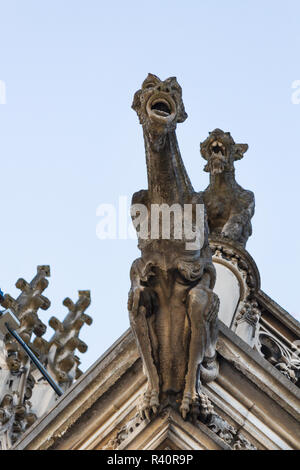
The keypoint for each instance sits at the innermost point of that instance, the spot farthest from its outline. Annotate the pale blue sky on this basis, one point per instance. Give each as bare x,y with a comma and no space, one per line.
69,140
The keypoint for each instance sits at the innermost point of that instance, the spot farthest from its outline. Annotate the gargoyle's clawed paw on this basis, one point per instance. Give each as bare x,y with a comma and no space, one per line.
149,405
206,407
205,402
186,405
154,402
144,406
196,406
190,406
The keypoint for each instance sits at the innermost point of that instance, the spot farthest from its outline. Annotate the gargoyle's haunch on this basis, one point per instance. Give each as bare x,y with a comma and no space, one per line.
172,308
229,206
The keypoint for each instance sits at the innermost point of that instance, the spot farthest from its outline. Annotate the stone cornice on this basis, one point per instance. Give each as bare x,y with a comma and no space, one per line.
259,370
282,315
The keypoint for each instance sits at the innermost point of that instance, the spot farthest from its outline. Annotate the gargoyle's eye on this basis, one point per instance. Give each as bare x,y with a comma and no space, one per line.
175,87
149,85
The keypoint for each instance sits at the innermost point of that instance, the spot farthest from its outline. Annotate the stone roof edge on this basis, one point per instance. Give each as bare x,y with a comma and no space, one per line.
87,381
280,313
87,385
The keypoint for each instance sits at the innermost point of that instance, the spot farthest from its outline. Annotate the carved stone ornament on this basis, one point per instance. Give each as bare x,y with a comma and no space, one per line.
285,357
249,313
229,206
172,307
217,424
235,439
123,434
20,381
239,262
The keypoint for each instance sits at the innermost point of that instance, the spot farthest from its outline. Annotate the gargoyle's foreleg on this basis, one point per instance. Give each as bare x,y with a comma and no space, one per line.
201,303
140,327
209,368
142,306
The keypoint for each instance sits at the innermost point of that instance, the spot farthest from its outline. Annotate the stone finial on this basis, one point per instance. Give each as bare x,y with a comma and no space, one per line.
25,308
15,408
62,361
20,381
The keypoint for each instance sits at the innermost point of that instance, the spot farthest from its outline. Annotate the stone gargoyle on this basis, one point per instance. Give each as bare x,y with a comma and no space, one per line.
229,207
172,307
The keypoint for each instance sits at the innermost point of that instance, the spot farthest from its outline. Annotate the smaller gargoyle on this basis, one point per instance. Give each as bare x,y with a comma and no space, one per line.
229,206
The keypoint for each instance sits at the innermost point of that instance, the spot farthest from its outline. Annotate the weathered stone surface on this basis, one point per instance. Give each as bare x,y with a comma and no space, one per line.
172,307
229,206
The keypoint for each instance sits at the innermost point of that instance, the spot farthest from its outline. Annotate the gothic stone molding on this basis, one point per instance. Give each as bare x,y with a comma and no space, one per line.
258,402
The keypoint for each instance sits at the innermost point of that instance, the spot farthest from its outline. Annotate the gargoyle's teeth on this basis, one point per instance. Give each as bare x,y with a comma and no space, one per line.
218,147
161,113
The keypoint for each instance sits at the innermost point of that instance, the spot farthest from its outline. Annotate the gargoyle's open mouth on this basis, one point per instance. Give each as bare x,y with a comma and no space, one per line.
161,108
217,159
218,147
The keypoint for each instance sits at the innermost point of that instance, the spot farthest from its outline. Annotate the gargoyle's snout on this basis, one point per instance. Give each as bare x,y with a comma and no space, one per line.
162,87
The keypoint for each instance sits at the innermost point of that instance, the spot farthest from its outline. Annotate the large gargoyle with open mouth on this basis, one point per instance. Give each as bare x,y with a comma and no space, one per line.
172,307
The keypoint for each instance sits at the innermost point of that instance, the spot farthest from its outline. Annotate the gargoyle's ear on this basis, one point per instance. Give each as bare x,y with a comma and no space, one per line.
136,104
182,115
239,150
151,79
203,151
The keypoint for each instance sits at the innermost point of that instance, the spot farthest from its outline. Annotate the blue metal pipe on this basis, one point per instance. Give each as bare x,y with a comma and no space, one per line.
35,360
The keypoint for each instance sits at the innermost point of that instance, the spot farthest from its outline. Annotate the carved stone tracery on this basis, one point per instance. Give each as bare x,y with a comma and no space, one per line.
281,355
